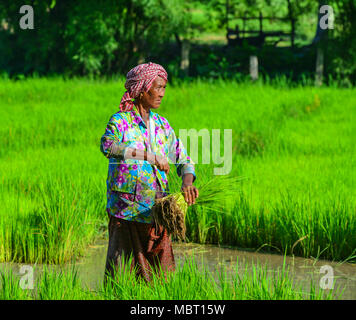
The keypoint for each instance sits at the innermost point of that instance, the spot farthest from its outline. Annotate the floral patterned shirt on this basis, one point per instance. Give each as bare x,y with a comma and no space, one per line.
132,184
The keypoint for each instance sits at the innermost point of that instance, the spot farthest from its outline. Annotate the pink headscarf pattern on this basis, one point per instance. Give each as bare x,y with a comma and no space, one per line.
140,79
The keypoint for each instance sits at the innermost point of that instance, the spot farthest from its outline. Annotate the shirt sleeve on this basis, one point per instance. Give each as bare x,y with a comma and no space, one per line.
111,144
179,156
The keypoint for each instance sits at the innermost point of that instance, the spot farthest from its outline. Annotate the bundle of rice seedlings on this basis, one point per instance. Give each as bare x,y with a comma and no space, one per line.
170,211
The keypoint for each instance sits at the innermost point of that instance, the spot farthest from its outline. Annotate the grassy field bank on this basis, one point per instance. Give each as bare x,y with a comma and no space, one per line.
295,146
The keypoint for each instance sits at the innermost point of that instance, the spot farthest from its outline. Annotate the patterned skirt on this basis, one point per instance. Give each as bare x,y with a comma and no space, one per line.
149,244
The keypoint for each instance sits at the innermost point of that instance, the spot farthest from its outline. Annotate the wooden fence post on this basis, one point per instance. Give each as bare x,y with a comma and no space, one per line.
184,64
319,66
254,67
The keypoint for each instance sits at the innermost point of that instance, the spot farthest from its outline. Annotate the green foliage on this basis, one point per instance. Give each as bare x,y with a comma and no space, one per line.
88,37
342,46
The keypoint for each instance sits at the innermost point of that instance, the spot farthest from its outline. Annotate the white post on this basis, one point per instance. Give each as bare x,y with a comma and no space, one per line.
184,65
254,67
319,66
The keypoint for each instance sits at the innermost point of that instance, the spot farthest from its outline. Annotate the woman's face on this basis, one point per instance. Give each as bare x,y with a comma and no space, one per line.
152,98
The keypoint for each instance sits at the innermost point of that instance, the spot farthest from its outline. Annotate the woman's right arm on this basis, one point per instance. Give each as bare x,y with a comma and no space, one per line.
113,147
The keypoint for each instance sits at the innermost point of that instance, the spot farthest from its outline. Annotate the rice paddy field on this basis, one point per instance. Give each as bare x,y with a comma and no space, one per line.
294,146
188,282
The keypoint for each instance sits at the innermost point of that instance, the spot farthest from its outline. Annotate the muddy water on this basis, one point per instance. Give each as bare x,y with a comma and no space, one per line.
91,267
212,257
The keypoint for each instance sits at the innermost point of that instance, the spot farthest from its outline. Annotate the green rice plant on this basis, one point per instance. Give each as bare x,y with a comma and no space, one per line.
10,288
51,223
60,285
190,281
170,211
193,281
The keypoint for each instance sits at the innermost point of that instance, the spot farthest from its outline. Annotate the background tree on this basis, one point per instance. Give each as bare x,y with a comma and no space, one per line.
88,37
105,37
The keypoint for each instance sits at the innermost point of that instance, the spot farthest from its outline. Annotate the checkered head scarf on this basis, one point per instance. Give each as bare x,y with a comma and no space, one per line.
140,79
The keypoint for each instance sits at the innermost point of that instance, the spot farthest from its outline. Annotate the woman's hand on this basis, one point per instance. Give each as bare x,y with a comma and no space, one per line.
162,164
190,192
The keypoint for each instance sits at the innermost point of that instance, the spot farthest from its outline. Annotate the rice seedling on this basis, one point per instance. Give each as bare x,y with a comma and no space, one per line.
170,211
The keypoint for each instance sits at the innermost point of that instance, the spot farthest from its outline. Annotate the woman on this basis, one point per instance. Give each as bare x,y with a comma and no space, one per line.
140,144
